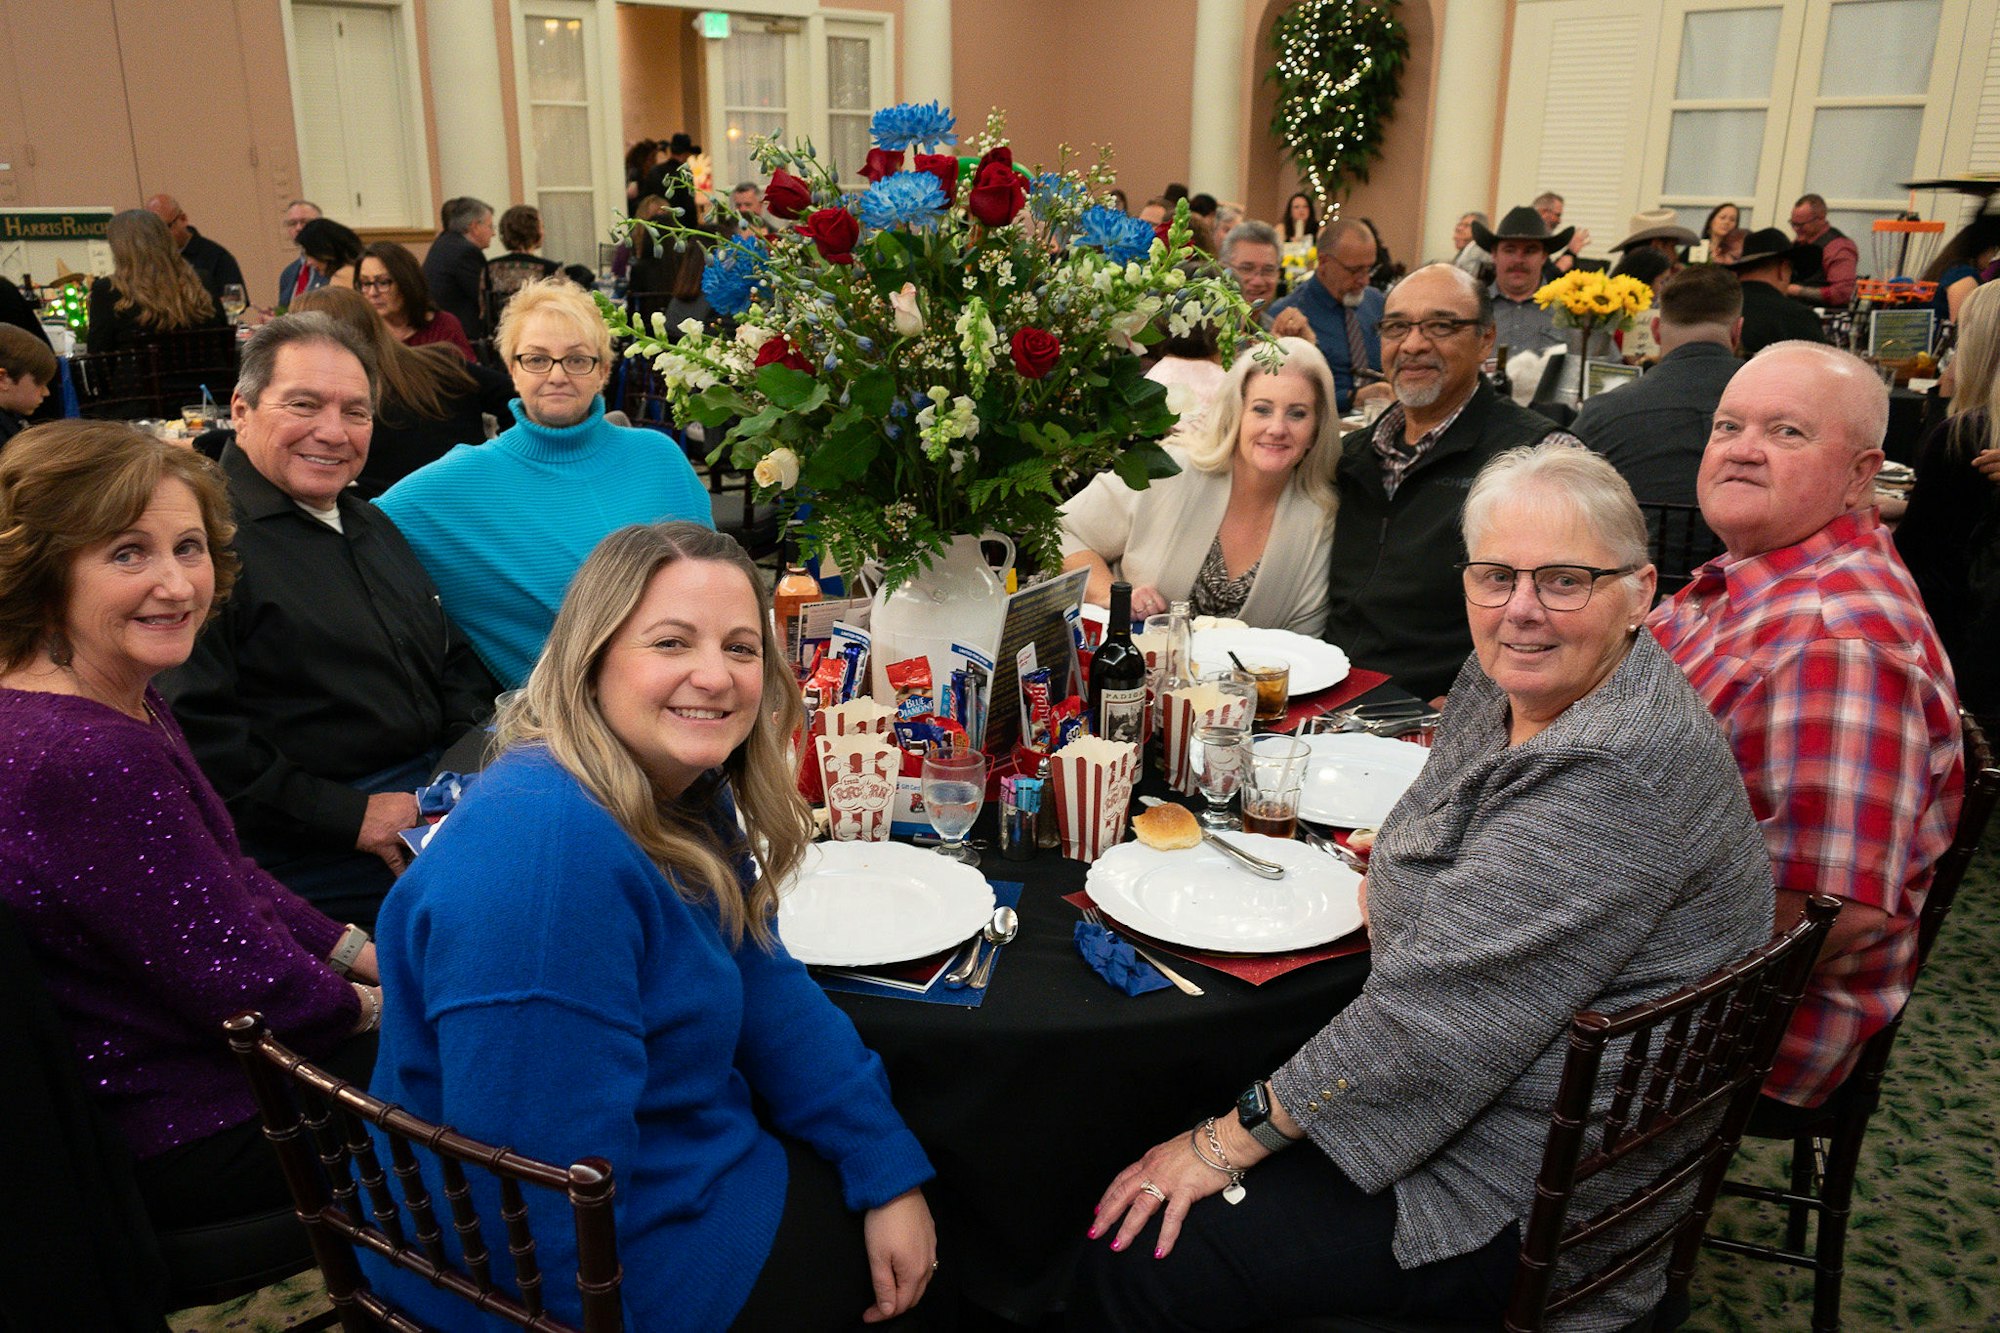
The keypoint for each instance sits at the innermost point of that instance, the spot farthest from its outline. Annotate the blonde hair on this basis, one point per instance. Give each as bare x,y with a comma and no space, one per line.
1978,372
558,711
1212,447
563,299
150,275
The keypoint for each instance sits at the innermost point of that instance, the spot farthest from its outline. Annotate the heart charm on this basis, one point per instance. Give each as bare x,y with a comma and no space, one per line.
1234,1194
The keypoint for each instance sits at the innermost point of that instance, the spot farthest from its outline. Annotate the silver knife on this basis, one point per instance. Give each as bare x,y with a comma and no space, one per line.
1256,865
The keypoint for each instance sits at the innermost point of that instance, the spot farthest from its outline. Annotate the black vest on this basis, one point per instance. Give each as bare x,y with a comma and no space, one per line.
1395,602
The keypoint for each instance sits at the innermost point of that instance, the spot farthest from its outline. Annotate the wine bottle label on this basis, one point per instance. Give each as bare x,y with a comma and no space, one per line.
1121,714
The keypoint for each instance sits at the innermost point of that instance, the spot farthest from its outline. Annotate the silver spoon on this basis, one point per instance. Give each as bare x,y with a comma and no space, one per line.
1000,930
962,972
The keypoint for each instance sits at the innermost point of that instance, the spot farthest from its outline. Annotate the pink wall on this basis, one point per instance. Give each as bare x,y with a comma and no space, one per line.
1082,72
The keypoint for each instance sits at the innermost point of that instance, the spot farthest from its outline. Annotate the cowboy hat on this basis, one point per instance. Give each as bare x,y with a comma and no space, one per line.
1521,224
1764,245
1657,225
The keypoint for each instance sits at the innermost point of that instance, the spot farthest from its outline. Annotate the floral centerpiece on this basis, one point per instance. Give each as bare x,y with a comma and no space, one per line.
1589,300
946,353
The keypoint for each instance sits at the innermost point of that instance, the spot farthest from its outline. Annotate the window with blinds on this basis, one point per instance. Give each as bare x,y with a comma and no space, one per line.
355,122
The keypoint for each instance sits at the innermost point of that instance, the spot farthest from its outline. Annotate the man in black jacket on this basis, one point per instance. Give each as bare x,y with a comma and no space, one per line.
1765,270
1395,601
215,266
457,261
331,681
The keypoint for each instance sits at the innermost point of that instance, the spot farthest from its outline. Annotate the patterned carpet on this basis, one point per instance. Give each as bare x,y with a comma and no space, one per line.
1923,1251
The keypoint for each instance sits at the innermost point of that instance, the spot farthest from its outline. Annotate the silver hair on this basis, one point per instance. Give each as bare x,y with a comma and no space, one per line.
1251,232
1561,478
463,214
260,354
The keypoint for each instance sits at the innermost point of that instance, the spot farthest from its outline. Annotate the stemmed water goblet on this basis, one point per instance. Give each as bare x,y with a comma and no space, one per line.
954,788
1217,754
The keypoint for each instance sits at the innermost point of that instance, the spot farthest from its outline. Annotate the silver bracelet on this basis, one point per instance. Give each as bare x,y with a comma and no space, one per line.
1233,1192
348,948
371,1007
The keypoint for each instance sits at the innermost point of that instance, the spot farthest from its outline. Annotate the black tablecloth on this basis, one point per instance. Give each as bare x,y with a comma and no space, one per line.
1030,1104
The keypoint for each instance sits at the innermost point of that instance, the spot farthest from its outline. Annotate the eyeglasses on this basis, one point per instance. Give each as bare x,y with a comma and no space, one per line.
1249,270
575,364
1352,270
374,284
1437,330
1557,587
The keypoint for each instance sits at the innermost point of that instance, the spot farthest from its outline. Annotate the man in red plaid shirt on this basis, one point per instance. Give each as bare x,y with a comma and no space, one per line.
1810,643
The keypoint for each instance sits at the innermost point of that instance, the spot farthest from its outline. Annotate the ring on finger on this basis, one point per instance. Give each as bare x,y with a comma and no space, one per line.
1148,1187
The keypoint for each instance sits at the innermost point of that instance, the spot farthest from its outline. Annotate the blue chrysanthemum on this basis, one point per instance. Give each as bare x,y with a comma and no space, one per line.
732,272
919,125
1120,236
908,198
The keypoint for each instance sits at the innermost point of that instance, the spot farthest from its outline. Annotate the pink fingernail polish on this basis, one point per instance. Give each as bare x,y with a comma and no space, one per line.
1092,1233
1117,1245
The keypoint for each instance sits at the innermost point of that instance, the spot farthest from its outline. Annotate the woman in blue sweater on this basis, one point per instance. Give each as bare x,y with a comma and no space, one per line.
584,962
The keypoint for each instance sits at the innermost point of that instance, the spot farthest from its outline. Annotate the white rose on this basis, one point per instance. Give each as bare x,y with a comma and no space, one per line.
909,318
779,468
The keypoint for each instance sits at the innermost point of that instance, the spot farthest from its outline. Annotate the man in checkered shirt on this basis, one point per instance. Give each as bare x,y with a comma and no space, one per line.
1810,643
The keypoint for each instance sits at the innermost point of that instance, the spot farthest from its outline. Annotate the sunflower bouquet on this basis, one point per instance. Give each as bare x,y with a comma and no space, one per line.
951,350
1585,299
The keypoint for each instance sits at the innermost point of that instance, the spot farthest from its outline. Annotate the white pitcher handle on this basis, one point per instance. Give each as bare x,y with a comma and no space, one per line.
1005,541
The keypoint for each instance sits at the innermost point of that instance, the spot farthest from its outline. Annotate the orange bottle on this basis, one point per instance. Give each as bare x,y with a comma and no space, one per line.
795,591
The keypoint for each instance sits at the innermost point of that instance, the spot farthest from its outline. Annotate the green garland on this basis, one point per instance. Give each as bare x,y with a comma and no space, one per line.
1338,66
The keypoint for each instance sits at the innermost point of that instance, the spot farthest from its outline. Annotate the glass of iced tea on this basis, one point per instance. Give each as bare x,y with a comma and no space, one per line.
1272,782
1274,686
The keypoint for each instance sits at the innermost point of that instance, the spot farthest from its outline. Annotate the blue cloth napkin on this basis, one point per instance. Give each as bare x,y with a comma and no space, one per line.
1113,959
441,795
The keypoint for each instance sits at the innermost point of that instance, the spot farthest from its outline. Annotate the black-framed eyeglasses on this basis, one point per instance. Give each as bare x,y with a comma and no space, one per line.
373,284
1437,330
576,363
1557,587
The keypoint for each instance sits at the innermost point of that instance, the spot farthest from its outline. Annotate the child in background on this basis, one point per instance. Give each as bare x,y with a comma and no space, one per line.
27,368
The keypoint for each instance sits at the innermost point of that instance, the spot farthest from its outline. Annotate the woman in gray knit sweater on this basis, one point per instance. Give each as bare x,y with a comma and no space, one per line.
1579,839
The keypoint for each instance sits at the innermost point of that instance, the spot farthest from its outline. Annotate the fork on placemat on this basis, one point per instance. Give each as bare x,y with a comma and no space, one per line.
1180,983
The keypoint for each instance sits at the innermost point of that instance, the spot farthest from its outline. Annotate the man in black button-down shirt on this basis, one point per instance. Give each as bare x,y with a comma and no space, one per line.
331,681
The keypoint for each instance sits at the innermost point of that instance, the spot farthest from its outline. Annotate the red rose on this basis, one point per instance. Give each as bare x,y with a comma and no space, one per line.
834,231
945,168
1003,155
1035,352
779,352
882,162
787,196
997,193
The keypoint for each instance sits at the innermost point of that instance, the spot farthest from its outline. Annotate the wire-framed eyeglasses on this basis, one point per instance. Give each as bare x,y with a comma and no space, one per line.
1557,587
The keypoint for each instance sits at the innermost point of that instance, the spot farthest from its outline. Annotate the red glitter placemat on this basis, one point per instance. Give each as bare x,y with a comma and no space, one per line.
1253,968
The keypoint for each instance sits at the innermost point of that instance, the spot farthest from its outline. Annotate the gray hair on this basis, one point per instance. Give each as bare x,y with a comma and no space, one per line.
1559,478
464,213
305,203
1334,232
1476,216
1545,197
1482,296
1865,414
741,186
1252,232
260,354
1212,446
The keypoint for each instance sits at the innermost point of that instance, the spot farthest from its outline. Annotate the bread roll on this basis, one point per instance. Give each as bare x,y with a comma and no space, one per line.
1168,827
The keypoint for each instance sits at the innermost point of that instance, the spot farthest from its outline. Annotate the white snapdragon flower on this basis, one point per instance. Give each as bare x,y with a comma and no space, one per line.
751,336
779,468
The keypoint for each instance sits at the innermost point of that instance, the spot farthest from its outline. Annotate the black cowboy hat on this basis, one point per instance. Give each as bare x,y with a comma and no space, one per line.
1766,244
1521,224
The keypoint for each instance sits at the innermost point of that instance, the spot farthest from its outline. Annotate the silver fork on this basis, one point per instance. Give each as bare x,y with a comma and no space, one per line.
1181,983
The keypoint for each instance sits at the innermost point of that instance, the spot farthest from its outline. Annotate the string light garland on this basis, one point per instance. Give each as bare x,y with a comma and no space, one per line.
1338,67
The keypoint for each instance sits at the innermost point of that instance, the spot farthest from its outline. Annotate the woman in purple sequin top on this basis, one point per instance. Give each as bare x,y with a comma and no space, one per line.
118,861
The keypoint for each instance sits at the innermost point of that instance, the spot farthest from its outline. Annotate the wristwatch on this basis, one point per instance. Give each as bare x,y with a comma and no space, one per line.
1253,1111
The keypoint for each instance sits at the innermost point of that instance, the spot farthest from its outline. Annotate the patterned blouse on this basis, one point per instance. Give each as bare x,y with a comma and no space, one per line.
1215,593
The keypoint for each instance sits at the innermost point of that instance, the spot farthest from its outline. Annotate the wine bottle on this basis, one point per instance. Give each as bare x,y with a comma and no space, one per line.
1118,675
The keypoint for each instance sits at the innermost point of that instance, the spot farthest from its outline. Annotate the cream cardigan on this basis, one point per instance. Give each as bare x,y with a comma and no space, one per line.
1160,536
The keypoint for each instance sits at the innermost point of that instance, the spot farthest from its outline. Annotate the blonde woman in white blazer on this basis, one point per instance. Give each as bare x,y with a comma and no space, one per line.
1254,496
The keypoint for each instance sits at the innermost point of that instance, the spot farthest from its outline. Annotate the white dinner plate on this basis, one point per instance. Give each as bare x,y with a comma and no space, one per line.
855,904
1353,779
1315,665
1201,898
